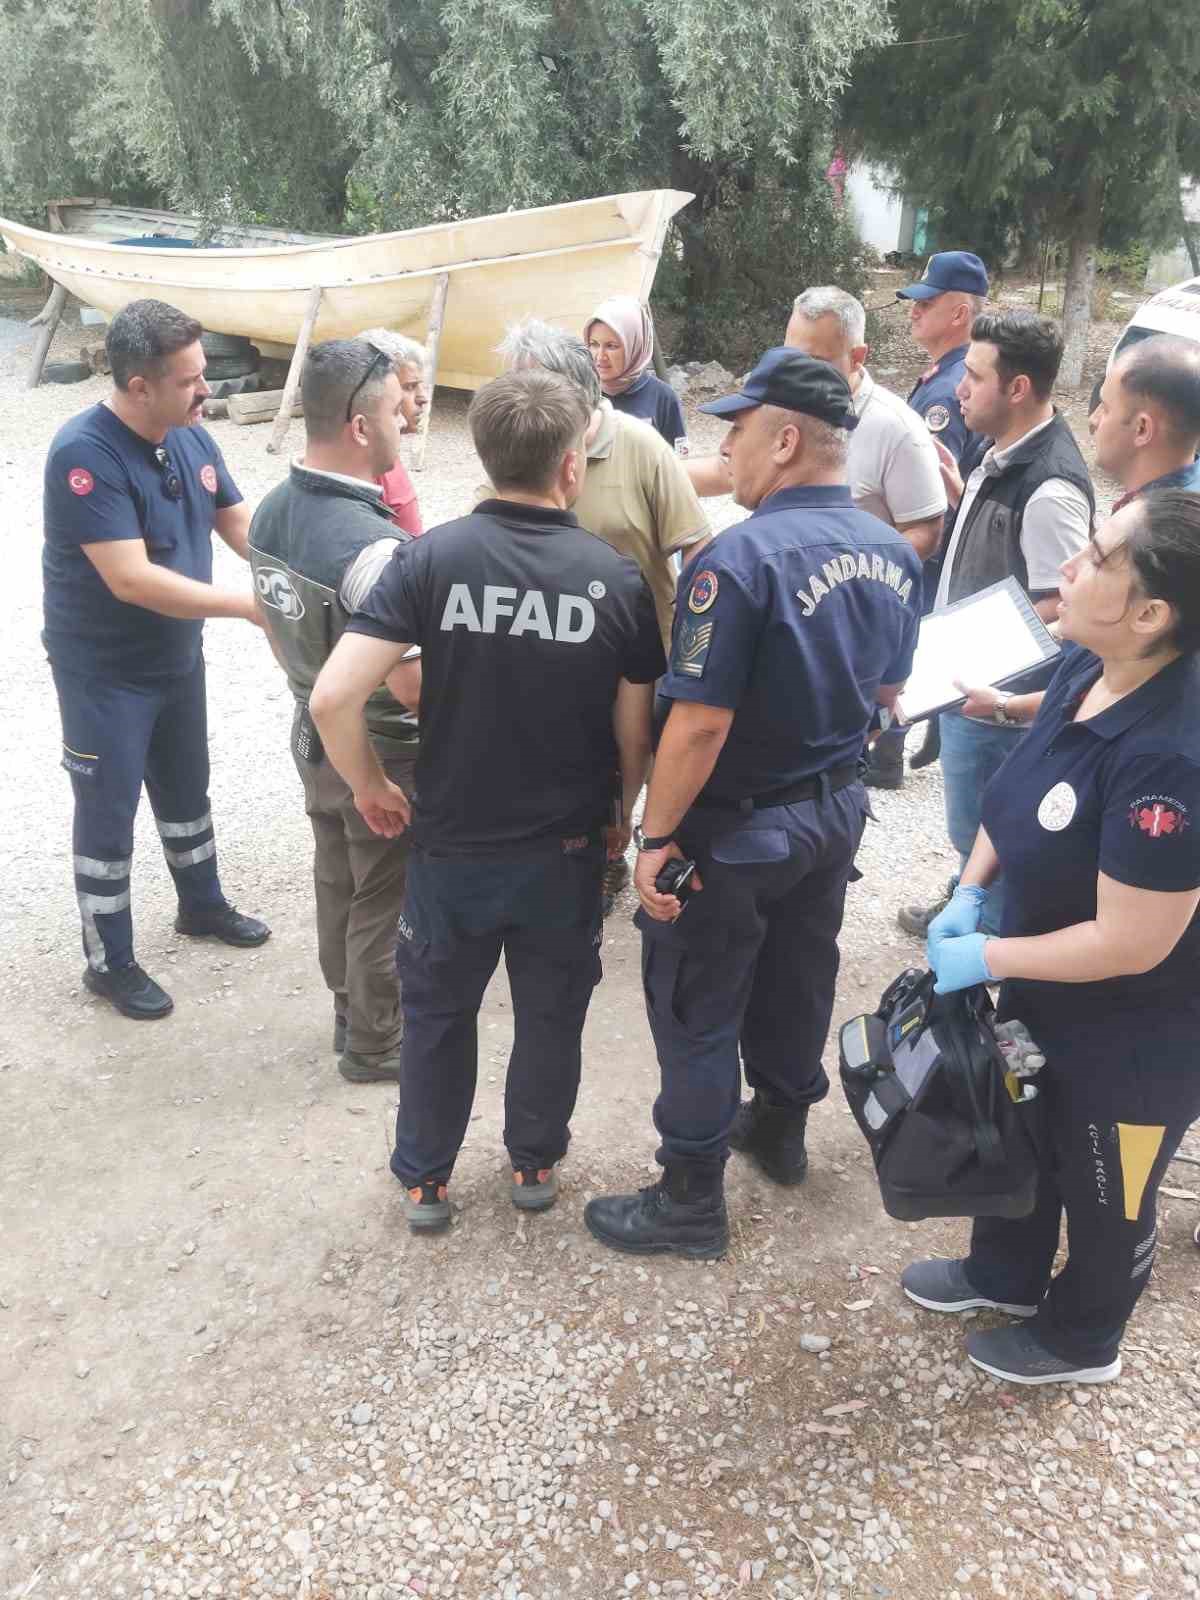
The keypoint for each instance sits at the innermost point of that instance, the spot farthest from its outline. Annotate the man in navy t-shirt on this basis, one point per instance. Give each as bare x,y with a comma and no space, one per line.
133,491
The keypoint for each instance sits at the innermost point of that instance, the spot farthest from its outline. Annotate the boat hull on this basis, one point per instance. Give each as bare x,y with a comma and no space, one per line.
557,261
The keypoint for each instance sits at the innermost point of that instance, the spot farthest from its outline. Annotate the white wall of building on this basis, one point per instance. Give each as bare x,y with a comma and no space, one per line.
877,210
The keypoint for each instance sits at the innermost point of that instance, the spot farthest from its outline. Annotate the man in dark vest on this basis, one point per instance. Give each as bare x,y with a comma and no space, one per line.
1025,509
318,542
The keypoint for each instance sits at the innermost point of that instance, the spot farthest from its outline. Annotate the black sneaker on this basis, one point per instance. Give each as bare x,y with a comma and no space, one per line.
224,923
1016,1356
915,920
427,1207
134,993
684,1214
534,1188
773,1136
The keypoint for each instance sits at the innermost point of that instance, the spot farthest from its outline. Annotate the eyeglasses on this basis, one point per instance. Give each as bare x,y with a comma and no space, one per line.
379,362
171,479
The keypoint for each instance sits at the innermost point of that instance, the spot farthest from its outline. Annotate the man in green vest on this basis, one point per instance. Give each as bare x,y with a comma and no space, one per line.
318,542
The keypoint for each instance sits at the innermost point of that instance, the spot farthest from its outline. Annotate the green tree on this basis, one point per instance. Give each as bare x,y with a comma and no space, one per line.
1075,118
369,114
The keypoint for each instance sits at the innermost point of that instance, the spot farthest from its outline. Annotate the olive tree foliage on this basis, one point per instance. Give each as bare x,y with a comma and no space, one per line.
1068,118
356,115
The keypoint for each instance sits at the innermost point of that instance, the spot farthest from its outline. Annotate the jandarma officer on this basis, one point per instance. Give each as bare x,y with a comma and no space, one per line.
790,629
1093,820
540,648
133,491
318,543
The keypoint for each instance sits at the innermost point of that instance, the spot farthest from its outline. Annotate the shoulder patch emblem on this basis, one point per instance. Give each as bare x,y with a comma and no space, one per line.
1159,816
690,652
703,592
208,477
937,418
80,481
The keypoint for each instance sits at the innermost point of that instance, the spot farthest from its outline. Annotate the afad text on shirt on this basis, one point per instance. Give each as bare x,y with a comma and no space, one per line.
516,612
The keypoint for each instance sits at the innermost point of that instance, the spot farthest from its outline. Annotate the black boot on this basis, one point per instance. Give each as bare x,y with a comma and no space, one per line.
684,1212
931,749
773,1136
885,765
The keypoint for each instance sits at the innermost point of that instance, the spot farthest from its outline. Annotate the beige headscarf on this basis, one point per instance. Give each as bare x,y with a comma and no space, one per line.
630,320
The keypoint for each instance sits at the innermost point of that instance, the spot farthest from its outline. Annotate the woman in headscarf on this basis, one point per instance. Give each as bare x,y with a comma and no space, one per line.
620,339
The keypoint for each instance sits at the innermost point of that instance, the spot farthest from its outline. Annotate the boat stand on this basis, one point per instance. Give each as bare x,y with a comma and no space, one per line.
437,315
284,416
48,318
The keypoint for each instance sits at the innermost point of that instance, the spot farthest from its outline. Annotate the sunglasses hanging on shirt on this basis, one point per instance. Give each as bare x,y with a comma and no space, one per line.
171,481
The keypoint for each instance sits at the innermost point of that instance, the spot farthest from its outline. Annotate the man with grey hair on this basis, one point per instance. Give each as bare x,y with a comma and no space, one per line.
318,543
408,360
540,649
637,496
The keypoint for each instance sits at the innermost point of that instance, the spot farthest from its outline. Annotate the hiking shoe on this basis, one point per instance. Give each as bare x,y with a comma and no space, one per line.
916,919
944,1286
616,876
931,750
684,1213
222,922
134,993
886,770
339,1033
534,1188
1015,1355
356,1068
773,1136
426,1207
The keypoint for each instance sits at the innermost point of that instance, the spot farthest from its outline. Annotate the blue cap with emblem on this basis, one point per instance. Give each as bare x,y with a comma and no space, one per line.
952,269
795,382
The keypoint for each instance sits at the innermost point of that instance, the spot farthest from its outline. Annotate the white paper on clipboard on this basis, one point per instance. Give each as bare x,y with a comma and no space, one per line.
986,639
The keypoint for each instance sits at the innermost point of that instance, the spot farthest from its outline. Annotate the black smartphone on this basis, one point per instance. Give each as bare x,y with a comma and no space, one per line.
676,878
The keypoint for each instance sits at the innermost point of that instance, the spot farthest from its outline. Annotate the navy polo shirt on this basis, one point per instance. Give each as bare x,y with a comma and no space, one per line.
1118,794
103,483
657,403
792,619
1182,478
934,398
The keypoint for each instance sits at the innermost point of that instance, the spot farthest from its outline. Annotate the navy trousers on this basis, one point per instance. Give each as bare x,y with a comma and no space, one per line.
1120,1091
541,909
751,964
117,736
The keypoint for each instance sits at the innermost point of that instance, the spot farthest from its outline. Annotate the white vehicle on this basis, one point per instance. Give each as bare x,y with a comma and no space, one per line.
1174,310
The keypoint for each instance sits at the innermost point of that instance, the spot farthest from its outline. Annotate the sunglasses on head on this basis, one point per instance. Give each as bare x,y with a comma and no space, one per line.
380,362
171,480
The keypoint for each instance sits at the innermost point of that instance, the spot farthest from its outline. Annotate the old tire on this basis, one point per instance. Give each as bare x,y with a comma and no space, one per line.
66,371
217,345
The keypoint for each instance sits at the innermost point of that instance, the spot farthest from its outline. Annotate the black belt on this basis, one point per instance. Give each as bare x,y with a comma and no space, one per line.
807,789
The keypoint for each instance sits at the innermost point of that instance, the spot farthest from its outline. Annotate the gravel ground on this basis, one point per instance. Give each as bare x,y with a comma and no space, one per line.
229,1371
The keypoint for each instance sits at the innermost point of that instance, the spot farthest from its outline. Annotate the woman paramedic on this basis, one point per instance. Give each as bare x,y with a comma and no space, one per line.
1095,822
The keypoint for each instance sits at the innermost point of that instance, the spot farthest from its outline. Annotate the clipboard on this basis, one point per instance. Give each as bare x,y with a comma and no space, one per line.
989,638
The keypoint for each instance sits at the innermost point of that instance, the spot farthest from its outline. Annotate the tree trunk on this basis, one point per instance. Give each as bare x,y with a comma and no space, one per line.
1081,277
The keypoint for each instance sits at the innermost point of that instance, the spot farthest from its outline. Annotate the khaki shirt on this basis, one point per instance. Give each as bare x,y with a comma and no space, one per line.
638,498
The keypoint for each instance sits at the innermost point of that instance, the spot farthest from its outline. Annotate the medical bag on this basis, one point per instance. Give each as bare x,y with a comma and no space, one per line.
952,1128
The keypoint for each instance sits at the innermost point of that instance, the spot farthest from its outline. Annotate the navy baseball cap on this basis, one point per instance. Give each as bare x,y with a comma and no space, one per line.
952,269
796,382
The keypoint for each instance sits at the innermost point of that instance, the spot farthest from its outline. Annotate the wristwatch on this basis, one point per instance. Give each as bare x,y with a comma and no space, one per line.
645,843
1000,709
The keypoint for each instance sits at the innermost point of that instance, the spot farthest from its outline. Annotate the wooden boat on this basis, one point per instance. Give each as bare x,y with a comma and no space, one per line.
100,219
558,261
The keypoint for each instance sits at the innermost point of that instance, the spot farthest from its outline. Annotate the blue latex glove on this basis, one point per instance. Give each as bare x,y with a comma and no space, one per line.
960,917
959,962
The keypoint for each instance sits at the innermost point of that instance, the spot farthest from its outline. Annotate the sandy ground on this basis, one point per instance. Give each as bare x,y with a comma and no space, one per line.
226,1369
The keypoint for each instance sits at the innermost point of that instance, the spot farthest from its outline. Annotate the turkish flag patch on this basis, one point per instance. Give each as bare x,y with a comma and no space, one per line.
80,481
208,477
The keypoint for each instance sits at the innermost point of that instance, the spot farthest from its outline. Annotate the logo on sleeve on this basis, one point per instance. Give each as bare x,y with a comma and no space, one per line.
80,481
692,641
703,592
937,418
208,477
1159,816
1057,808
596,589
